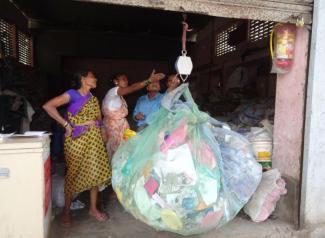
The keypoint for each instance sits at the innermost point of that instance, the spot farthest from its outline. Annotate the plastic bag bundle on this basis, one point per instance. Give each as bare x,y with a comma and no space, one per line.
184,173
263,202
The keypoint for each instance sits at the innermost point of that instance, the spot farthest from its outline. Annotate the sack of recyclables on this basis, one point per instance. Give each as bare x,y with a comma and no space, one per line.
185,172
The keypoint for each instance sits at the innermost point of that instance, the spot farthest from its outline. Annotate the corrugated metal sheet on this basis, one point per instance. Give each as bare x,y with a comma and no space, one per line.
272,10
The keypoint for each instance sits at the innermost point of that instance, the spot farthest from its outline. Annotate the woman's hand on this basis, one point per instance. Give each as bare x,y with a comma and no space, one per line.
68,131
155,77
139,116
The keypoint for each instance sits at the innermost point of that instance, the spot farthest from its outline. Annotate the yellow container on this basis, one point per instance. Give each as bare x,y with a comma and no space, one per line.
263,152
128,134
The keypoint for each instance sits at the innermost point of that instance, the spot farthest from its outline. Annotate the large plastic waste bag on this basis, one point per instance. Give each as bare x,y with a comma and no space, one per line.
184,173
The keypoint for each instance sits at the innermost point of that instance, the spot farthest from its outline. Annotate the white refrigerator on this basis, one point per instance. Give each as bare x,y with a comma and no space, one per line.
25,187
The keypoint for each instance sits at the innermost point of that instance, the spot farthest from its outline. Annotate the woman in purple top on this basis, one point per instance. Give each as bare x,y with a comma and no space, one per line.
84,148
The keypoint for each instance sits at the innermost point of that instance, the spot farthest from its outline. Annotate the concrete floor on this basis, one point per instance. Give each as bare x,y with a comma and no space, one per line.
123,225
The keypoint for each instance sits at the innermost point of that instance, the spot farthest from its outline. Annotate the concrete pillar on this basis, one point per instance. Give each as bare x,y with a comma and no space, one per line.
288,126
313,176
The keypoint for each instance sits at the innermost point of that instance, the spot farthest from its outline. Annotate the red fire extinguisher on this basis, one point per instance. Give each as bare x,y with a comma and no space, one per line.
283,36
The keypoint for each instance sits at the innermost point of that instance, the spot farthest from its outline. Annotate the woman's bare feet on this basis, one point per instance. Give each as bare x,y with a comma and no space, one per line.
99,216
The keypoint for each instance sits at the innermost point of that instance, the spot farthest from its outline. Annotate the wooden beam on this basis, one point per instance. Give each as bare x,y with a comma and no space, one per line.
272,10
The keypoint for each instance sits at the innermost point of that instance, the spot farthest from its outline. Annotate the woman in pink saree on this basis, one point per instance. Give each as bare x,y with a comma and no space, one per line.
115,109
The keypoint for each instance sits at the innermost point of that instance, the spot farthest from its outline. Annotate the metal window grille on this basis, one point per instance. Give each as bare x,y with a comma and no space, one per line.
25,49
259,30
222,42
8,38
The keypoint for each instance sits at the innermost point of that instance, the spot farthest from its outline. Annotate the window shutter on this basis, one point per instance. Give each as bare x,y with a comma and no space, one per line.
25,49
8,38
259,30
222,42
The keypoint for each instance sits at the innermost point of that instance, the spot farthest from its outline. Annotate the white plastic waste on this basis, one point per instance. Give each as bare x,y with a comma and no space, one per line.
77,205
263,201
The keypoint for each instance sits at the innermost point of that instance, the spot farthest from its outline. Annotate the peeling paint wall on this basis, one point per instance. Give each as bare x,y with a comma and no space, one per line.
289,110
288,125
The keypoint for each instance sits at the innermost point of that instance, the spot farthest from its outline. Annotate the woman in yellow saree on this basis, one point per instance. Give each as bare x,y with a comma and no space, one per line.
85,153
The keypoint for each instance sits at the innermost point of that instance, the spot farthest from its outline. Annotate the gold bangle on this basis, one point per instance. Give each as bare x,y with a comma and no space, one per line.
65,124
147,82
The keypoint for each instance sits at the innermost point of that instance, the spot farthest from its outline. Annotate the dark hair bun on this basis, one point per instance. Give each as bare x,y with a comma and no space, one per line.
76,78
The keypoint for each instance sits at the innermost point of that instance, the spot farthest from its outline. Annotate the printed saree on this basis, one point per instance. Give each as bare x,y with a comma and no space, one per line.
115,124
85,152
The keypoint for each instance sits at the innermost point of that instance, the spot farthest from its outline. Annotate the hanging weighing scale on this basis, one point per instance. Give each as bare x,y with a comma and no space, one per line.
183,64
